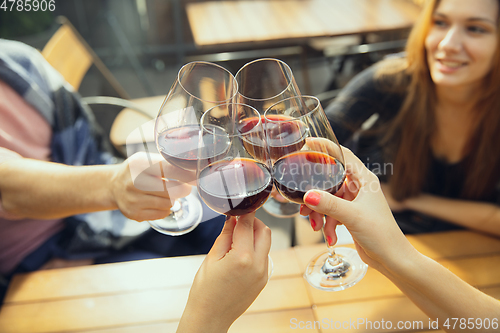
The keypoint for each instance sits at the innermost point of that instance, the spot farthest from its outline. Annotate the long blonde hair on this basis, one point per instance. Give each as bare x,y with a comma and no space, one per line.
408,137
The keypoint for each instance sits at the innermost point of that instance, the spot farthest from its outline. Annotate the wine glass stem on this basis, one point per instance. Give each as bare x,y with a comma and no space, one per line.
331,250
334,266
177,208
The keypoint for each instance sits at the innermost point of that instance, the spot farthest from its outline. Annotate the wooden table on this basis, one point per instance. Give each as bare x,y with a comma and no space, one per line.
256,21
149,296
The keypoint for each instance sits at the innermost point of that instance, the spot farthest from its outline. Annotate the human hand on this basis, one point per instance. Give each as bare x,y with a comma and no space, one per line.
366,214
230,278
277,195
142,189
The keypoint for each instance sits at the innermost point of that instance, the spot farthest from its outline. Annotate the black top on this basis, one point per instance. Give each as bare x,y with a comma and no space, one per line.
365,96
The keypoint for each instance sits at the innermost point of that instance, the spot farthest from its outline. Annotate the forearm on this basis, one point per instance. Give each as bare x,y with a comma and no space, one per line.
196,322
441,294
475,215
37,189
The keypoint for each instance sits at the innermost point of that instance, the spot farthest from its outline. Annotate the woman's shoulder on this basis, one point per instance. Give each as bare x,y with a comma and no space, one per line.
380,88
384,77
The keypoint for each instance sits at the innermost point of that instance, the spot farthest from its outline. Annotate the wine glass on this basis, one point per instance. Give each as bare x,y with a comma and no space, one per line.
261,83
238,181
198,87
319,164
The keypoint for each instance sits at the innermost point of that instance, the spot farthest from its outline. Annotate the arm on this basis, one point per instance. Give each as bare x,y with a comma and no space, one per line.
231,277
480,216
441,294
361,98
37,189
381,244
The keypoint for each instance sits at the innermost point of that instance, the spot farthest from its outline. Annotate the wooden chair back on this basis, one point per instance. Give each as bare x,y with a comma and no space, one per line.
71,56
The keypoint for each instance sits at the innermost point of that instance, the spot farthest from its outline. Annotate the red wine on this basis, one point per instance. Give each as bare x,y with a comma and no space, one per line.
179,145
297,173
283,138
235,187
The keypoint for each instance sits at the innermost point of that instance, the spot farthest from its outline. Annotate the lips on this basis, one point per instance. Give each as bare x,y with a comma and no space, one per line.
451,64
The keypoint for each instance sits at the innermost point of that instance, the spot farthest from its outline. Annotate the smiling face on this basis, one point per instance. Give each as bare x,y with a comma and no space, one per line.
462,41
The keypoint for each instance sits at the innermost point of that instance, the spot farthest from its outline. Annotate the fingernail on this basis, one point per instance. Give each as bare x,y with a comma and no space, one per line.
313,223
329,240
301,207
312,198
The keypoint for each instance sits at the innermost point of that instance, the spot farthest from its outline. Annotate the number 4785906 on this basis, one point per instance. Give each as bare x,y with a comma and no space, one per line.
471,323
28,5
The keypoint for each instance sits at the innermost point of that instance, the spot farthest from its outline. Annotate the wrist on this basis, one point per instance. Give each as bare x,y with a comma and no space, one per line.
405,264
198,321
109,190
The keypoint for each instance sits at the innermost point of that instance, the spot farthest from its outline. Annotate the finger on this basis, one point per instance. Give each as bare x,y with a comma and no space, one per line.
155,202
349,189
243,238
222,244
329,229
177,191
154,165
322,202
172,172
305,211
354,166
262,239
277,195
324,145
148,215
316,220
164,188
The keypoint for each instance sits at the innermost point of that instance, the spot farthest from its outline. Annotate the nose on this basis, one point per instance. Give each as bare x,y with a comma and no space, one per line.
452,41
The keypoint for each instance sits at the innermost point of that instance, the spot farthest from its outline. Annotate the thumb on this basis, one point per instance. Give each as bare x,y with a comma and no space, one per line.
325,203
223,243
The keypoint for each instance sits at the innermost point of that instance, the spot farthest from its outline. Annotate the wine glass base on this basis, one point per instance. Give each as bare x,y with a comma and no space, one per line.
270,267
337,277
186,215
281,209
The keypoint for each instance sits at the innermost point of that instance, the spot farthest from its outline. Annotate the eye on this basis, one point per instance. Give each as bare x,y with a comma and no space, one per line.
476,29
439,23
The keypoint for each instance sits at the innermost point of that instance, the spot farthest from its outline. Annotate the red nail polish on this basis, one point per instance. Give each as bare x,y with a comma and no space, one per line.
313,198
329,240
301,207
313,224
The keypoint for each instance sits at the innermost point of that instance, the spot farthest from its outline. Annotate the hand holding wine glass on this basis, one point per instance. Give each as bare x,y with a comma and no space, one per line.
318,165
198,87
238,182
228,282
138,188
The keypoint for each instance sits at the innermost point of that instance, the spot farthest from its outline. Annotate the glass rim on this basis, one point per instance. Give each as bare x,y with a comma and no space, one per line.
183,68
254,110
263,59
309,97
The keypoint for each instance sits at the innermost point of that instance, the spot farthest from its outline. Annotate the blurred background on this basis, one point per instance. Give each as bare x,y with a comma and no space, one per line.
143,43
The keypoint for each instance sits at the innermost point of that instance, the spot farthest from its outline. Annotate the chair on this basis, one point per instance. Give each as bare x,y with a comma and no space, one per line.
71,56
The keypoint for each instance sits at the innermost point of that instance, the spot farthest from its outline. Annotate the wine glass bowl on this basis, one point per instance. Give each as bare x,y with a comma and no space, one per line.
261,83
265,81
317,165
198,87
240,182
